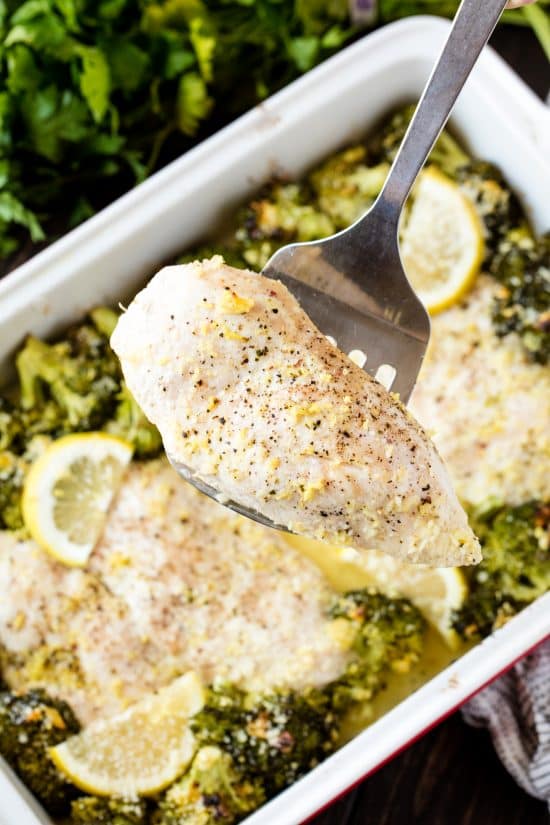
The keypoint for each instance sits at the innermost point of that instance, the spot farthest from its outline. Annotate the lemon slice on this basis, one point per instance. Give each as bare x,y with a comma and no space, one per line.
441,242
138,752
68,492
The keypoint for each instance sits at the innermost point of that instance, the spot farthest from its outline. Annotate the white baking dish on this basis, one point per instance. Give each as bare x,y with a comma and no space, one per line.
112,254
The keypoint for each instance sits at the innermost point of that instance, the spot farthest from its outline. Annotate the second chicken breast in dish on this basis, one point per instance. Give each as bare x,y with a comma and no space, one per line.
254,399
176,583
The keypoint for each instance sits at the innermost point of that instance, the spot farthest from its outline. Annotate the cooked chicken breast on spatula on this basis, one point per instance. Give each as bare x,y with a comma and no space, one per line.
254,399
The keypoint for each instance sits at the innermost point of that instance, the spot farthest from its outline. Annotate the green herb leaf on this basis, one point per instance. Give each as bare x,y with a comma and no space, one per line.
194,104
202,37
69,11
95,80
110,9
22,73
178,60
54,118
304,51
13,211
128,64
42,33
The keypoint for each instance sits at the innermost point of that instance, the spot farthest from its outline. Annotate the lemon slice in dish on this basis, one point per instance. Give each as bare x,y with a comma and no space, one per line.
68,491
138,752
442,244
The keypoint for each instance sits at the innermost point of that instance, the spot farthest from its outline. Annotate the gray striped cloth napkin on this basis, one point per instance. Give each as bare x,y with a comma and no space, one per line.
516,710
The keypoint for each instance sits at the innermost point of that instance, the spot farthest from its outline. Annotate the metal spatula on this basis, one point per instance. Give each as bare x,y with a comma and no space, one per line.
353,285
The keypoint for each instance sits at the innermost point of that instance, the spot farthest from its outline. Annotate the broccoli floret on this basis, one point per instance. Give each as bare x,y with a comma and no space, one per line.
104,320
96,810
130,423
385,141
385,634
283,213
30,723
80,384
65,386
448,155
522,267
12,475
496,204
346,186
73,384
212,791
11,429
18,427
275,737
13,469
515,569
383,146
41,420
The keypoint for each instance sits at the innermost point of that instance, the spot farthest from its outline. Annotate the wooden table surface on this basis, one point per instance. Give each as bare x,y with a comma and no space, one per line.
452,776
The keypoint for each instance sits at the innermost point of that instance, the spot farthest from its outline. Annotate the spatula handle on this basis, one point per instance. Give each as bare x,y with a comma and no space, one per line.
472,27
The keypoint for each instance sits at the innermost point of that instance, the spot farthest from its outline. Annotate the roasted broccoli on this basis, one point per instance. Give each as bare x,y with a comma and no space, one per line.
130,423
275,738
18,427
515,569
385,634
70,385
282,213
13,469
345,185
496,204
80,374
522,267
11,428
104,320
212,791
98,810
384,142
30,723
12,474
383,145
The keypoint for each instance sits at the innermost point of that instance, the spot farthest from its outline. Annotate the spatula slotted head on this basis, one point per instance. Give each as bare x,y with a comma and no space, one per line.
358,295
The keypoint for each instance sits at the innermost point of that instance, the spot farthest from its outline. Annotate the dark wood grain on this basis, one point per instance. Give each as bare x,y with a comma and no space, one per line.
450,777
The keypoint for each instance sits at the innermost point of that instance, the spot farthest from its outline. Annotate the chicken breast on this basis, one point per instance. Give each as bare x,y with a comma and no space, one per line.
249,395
486,404
177,582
